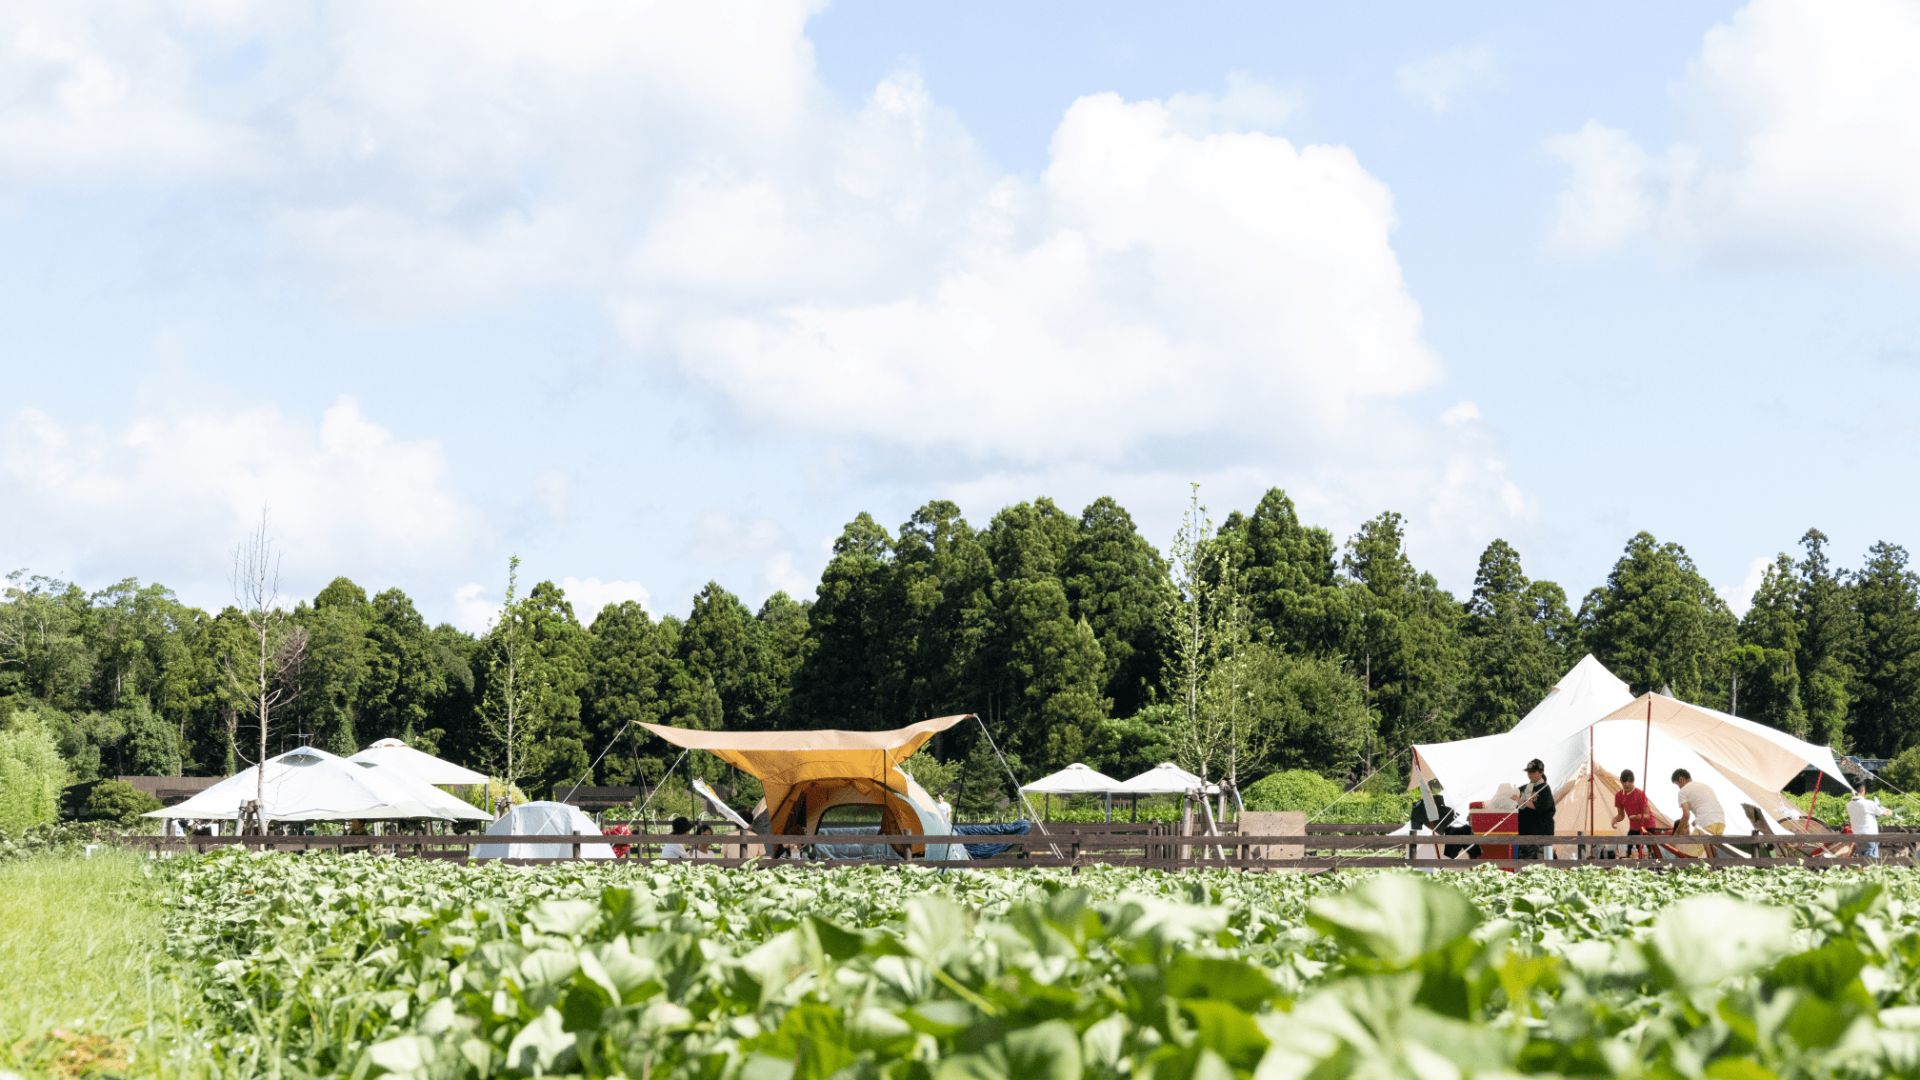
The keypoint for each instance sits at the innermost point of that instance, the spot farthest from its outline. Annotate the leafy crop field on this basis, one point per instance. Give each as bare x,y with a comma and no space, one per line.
254,965
360,965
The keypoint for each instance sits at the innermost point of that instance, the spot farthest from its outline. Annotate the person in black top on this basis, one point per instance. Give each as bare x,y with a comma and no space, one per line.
1444,820
1536,809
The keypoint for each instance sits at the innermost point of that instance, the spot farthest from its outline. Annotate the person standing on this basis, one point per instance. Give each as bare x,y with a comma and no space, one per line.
1536,809
1864,813
1630,804
1699,810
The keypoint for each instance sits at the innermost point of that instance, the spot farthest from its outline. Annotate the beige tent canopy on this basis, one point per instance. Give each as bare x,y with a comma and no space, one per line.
807,773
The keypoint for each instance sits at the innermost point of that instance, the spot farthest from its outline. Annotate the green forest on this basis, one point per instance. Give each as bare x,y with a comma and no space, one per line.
1258,644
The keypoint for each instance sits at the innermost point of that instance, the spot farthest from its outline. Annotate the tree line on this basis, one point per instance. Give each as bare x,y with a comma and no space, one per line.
1256,644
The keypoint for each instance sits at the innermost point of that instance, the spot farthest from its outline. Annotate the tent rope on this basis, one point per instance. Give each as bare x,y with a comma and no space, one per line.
1358,784
597,761
1017,793
641,813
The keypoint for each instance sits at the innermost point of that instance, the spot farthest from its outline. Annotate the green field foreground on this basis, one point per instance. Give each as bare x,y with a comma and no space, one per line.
88,982
305,965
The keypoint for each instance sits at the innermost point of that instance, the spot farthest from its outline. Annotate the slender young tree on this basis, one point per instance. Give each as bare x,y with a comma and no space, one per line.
266,679
506,713
1210,631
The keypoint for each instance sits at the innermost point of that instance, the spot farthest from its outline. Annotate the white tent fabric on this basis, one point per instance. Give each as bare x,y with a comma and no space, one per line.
422,765
451,808
1590,727
542,819
312,785
1165,778
1075,779
1584,694
1768,755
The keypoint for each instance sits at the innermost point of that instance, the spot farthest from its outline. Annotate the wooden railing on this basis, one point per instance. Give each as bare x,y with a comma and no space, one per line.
1317,851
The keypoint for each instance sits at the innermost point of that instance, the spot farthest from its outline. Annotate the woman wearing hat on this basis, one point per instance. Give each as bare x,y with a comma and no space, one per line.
1536,809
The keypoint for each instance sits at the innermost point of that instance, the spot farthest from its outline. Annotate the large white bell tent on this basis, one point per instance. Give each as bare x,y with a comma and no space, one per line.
1591,727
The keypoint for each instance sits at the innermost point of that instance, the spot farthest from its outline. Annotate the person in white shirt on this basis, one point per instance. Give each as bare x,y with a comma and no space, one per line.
1864,814
1699,810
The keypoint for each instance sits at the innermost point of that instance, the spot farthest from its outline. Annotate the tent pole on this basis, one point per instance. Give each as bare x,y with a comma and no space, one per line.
1815,804
1591,831
1646,752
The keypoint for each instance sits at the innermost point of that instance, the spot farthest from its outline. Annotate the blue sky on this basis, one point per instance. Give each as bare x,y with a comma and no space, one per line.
657,295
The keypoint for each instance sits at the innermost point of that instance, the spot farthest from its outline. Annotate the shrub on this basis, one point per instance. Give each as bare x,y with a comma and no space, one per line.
32,774
1903,772
116,802
1293,789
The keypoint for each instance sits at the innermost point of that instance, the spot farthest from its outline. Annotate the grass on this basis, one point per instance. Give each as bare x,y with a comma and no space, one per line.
83,984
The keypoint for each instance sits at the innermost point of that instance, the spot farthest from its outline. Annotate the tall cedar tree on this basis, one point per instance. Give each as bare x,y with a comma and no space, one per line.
1658,624
1886,689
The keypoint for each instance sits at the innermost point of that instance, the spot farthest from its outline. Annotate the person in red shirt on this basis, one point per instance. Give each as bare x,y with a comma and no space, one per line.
1631,803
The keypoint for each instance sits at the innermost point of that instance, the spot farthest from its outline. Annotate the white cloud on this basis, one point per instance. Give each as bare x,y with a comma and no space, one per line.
1180,283
1247,104
89,92
1801,145
1166,284
343,495
589,595
760,545
1740,597
476,607
1438,80
1610,199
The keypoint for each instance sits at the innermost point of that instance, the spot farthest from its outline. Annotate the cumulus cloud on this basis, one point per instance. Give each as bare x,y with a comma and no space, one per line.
1438,80
344,495
1801,145
757,545
1164,283
589,595
1182,283
477,607
88,93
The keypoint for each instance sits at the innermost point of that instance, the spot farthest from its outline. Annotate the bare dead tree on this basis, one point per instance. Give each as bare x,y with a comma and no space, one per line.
265,677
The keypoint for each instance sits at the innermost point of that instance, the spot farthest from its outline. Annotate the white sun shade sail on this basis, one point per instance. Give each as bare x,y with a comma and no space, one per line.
1075,779
1165,778
312,785
422,765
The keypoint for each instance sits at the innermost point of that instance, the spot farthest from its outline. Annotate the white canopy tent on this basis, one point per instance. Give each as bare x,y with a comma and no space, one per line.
451,807
1590,727
1075,779
422,765
308,784
542,819
1165,778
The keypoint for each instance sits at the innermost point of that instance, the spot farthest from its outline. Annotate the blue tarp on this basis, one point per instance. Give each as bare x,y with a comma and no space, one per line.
988,851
